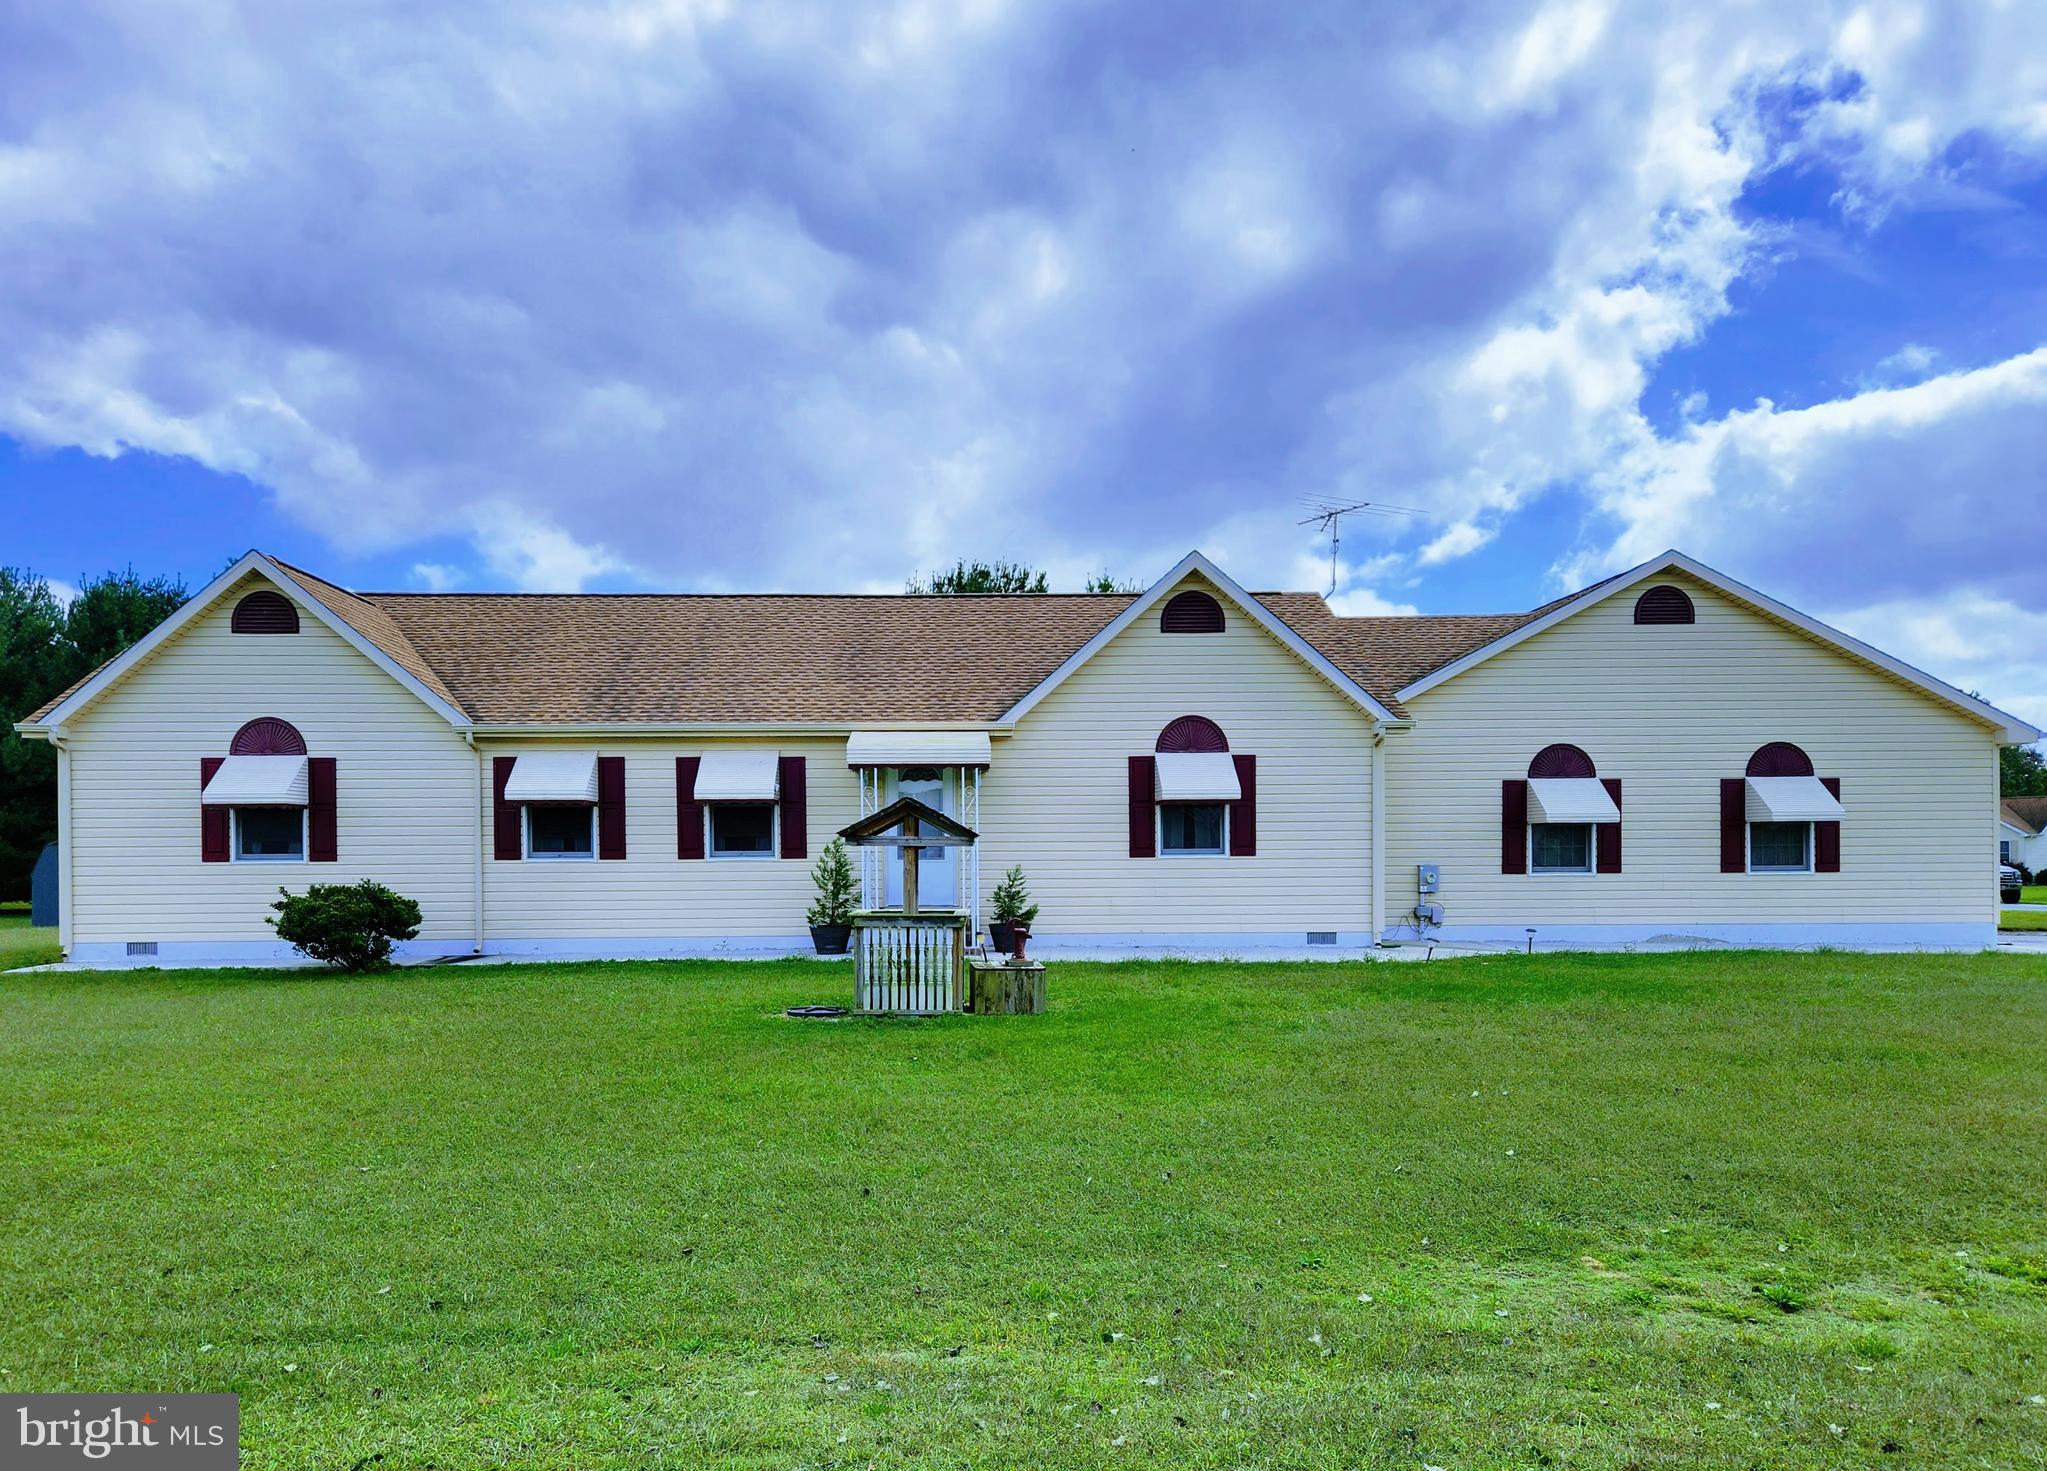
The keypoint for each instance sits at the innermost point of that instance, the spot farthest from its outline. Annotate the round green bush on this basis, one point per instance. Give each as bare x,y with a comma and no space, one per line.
346,925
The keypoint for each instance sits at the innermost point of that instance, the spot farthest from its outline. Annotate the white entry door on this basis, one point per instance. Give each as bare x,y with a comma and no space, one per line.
934,786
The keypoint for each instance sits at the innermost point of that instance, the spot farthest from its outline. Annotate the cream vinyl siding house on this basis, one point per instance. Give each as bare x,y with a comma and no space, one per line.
1056,799
651,900
1316,760
1671,710
405,792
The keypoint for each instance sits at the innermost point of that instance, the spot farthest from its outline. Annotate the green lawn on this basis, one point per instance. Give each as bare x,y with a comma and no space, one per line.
22,945
1754,1210
2033,894
2023,919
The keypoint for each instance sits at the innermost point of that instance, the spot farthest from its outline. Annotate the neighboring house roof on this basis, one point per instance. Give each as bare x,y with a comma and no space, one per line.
840,660
2027,814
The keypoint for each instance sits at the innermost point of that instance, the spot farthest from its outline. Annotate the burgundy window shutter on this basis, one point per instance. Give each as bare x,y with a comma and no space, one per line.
1143,826
689,812
1733,825
212,820
1608,834
1514,826
323,837
506,840
795,808
610,807
1826,836
1244,812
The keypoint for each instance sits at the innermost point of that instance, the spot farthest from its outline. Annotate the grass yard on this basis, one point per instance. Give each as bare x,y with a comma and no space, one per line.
2023,919
1651,1211
20,944
2033,894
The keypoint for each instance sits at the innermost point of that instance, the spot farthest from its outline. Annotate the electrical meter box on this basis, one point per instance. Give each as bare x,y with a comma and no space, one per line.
1428,877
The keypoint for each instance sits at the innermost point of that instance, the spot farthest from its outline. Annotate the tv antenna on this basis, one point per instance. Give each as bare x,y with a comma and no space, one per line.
1328,516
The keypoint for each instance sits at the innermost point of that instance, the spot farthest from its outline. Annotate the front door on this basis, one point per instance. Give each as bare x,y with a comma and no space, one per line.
934,786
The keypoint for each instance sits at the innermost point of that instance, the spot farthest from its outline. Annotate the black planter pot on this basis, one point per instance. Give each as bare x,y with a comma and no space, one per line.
1002,937
831,939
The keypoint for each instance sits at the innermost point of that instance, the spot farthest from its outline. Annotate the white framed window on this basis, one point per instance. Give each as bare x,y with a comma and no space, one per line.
1194,829
740,829
268,834
2004,849
1780,847
567,830
1560,847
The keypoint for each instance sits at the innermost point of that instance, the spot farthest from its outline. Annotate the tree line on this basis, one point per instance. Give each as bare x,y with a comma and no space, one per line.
46,646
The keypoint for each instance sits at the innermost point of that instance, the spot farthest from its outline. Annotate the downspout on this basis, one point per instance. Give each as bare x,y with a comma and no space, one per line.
59,739
476,842
1378,831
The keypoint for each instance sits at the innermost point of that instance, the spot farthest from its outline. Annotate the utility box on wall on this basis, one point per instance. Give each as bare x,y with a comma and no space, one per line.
1428,877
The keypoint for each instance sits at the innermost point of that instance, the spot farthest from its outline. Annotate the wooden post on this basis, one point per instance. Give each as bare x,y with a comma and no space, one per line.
911,857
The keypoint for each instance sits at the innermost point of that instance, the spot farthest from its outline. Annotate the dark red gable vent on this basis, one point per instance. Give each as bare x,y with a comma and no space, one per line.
1193,733
264,611
1191,612
1561,761
1779,758
1665,604
266,735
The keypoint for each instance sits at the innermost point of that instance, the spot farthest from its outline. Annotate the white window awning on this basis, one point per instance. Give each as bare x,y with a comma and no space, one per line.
738,776
553,776
918,748
1196,776
257,781
1791,799
1570,799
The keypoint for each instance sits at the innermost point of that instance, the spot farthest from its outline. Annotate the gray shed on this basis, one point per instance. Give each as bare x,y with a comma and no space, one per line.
42,889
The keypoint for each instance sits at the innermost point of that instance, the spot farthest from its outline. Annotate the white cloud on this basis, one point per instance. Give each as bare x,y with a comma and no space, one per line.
776,294
65,593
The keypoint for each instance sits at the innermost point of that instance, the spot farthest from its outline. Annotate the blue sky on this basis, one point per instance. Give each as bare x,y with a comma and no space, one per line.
700,295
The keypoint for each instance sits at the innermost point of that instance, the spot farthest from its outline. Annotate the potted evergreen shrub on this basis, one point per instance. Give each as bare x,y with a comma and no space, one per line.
831,913
1013,911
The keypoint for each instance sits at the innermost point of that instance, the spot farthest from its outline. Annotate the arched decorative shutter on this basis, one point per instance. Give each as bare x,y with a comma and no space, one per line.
1244,812
1514,826
1826,836
610,807
689,812
1733,826
1608,834
795,808
507,842
1143,826
323,814
213,821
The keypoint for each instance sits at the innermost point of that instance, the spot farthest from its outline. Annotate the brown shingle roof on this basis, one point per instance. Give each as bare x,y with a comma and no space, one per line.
661,658
2029,813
